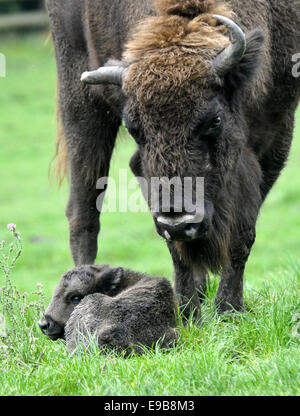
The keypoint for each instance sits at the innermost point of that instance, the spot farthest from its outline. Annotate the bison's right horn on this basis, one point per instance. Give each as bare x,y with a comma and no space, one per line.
232,55
104,75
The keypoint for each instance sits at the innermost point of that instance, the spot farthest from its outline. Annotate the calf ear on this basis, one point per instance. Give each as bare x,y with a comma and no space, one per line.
246,70
108,280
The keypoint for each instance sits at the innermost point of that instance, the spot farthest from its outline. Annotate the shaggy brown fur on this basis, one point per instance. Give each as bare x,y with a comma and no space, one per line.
191,8
167,53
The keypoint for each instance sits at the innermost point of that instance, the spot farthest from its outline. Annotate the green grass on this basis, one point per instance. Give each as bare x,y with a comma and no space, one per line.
254,354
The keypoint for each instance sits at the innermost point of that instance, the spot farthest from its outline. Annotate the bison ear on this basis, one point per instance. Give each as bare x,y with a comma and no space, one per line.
246,70
108,280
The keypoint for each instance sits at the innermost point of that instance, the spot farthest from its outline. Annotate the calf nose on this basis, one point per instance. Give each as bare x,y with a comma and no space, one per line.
51,328
44,326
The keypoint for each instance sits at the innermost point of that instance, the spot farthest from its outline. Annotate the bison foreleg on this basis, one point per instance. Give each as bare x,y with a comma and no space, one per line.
83,219
185,288
201,279
90,145
230,292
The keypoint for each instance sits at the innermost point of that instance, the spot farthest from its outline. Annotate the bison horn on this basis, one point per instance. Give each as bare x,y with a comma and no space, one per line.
104,75
233,54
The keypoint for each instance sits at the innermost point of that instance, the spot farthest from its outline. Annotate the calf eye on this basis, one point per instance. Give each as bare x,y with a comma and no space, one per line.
76,299
214,126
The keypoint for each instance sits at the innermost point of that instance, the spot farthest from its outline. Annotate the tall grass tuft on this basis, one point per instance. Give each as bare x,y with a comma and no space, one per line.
19,316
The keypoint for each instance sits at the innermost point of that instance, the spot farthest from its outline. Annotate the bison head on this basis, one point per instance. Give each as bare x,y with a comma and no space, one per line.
72,288
183,79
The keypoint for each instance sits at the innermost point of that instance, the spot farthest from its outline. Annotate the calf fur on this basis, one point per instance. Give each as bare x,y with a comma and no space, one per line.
124,309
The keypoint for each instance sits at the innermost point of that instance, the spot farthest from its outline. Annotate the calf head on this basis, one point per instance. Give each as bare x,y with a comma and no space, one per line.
72,288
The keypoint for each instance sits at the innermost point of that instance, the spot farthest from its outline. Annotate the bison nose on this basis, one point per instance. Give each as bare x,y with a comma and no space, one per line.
181,228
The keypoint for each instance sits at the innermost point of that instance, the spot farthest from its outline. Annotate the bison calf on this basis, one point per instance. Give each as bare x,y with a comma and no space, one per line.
120,307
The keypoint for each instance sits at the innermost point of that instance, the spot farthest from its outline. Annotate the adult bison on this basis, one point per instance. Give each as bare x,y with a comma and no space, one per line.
206,88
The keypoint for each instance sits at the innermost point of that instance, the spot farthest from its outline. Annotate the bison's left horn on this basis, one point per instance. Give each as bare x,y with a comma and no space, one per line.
104,75
233,54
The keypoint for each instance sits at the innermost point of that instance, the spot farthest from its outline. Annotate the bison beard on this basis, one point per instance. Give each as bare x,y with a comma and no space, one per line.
181,64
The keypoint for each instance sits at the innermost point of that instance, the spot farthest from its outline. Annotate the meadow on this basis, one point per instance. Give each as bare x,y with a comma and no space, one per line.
252,354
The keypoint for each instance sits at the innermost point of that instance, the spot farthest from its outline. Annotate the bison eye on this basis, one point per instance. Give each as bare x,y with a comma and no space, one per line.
214,126
76,299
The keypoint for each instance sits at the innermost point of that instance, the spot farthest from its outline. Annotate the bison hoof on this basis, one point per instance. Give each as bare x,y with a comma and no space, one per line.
223,306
